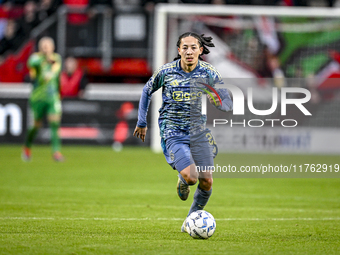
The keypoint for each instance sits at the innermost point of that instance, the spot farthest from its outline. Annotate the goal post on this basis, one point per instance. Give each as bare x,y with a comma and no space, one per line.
161,34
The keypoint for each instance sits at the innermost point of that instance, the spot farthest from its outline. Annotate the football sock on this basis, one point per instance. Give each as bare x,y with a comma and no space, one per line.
201,198
54,136
31,134
182,179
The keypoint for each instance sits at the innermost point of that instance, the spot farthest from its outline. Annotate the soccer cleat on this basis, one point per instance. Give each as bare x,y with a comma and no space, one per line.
58,157
26,154
183,190
184,227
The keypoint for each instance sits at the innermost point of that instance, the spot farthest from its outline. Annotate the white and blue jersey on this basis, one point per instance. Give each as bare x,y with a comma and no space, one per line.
180,114
185,139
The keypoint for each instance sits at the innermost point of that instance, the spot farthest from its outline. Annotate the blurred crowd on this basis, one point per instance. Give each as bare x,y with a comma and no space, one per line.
19,17
329,3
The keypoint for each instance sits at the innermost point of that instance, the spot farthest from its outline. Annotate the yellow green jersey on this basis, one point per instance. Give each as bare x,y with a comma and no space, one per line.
45,73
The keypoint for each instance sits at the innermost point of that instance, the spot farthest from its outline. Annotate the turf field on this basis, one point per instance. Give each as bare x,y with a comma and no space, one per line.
102,202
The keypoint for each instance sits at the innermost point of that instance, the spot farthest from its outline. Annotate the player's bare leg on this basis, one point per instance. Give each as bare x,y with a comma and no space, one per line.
54,122
26,154
188,176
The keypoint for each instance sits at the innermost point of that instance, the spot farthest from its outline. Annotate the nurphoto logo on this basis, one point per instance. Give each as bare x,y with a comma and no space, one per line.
239,102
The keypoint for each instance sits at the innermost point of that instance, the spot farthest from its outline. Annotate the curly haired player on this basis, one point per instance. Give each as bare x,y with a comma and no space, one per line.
186,142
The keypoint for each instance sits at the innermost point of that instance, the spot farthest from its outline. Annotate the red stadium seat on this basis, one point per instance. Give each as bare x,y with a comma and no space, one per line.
77,18
14,68
14,13
119,67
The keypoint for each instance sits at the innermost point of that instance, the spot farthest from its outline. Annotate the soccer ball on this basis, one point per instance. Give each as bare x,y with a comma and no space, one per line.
200,225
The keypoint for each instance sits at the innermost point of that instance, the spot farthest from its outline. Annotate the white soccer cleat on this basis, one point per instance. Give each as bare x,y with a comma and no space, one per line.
184,227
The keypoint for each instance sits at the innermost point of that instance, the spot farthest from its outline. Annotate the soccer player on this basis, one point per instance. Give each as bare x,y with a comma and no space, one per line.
187,144
44,68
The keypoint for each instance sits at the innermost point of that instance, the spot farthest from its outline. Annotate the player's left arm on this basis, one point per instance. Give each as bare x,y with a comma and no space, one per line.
221,98
227,103
56,66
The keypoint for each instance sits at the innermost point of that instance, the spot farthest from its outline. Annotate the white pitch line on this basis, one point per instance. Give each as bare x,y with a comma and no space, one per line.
278,219
179,207
167,219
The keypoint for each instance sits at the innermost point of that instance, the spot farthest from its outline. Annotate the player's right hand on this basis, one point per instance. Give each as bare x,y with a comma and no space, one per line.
140,133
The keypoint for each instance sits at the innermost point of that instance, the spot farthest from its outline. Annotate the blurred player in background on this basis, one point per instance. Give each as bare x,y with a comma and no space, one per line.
186,142
121,131
45,68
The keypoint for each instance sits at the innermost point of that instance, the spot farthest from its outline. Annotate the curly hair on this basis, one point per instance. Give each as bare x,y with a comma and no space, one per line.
204,41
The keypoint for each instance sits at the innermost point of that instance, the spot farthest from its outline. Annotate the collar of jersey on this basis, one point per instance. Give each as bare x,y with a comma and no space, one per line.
185,73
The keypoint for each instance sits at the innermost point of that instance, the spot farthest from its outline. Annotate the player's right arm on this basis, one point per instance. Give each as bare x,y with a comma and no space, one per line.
32,64
154,83
33,73
140,133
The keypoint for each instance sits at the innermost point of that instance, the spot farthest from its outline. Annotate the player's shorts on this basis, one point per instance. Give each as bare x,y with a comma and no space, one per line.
43,108
182,151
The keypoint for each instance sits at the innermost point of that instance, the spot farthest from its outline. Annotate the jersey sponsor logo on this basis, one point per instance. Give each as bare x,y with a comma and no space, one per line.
181,96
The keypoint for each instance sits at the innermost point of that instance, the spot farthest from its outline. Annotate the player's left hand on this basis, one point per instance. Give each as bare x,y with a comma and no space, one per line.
211,100
140,133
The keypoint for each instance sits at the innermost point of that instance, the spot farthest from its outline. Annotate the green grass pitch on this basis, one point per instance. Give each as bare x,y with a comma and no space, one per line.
102,202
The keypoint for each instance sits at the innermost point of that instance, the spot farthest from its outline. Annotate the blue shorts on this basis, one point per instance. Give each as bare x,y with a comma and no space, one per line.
182,151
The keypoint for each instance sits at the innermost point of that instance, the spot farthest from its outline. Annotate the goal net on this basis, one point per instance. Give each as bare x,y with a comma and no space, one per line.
267,49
